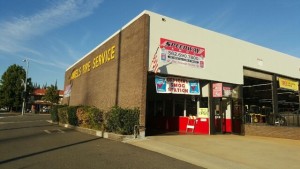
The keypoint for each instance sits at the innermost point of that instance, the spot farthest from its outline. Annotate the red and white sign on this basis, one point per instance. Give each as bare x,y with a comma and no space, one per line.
227,91
181,53
217,90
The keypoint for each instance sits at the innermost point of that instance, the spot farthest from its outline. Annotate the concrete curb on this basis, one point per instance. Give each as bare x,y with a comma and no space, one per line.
97,133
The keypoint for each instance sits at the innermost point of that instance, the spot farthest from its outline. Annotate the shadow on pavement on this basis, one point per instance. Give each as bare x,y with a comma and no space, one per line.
45,151
16,128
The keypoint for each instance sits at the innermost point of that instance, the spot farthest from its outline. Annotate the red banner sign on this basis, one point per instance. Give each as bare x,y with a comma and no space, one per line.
181,53
182,47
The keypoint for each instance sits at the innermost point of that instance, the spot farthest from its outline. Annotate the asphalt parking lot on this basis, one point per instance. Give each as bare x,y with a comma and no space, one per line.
31,142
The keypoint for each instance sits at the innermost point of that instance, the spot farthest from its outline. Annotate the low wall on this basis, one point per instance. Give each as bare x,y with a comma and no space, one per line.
273,131
98,133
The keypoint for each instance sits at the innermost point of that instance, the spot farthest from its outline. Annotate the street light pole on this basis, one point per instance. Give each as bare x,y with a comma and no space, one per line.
25,86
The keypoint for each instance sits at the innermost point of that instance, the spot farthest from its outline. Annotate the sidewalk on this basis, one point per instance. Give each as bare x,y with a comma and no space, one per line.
226,151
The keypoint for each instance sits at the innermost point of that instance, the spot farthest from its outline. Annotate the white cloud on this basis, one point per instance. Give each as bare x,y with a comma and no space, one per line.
186,18
15,32
221,18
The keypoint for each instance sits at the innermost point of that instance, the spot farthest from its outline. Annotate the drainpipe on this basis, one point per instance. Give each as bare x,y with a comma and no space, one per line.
298,112
211,111
274,97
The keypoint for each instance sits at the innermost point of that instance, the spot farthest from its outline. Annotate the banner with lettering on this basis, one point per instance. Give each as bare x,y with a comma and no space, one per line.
288,84
203,113
67,91
177,85
181,53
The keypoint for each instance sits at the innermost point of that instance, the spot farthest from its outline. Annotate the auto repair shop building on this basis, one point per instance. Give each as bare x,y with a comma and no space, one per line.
188,79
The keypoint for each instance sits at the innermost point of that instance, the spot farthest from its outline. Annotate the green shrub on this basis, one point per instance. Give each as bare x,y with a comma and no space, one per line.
112,119
95,118
90,117
82,116
121,120
118,120
63,115
68,115
54,112
72,118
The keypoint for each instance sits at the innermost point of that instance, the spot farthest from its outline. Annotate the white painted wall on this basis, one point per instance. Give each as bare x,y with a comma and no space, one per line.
225,56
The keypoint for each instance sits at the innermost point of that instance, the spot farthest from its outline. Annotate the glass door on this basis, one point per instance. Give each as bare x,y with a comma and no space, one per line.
217,115
222,115
237,116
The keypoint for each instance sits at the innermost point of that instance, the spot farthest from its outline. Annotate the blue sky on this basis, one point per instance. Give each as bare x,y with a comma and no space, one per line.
53,34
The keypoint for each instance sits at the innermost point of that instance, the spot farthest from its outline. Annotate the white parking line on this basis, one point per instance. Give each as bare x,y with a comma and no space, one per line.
54,131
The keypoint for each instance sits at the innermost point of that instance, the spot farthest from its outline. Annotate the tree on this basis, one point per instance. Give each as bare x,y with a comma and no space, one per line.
52,94
36,86
45,86
11,88
29,90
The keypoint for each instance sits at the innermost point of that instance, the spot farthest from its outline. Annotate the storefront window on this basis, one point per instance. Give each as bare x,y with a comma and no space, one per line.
179,106
203,102
169,107
159,108
191,106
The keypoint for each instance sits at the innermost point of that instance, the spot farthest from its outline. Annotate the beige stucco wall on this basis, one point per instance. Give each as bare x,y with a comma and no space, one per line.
225,56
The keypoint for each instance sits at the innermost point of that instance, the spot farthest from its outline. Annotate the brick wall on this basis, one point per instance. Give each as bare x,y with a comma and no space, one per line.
273,131
120,81
134,66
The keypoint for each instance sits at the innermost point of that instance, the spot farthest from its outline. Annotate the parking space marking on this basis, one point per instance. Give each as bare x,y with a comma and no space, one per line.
53,131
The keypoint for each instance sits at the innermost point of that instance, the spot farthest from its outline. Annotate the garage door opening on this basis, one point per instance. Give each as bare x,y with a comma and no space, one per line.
261,94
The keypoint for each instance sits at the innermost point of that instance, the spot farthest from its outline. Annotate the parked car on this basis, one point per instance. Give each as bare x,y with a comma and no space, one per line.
4,109
45,109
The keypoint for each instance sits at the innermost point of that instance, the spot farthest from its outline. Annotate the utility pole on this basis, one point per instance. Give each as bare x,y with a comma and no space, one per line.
25,86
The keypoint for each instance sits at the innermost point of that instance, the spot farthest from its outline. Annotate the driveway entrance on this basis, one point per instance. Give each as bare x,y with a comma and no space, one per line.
226,151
